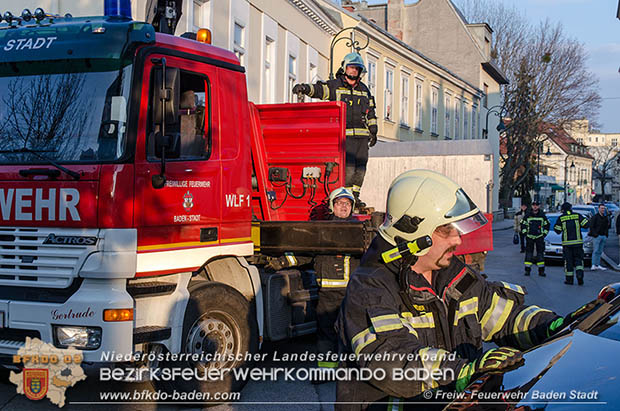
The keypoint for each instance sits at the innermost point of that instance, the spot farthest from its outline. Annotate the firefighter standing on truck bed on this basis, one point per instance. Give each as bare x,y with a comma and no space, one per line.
569,224
332,276
535,226
411,297
361,118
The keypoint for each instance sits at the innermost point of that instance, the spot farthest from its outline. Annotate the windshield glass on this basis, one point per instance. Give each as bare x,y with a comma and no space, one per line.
74,111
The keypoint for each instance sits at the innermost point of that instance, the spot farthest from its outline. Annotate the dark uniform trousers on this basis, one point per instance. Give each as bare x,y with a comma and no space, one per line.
333,272
537,259
388,316
573,260
361,123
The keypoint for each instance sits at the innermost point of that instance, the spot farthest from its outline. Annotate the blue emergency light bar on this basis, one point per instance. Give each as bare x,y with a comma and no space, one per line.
117,8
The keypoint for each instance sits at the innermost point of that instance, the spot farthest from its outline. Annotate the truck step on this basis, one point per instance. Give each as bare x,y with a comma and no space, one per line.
151,333
150,289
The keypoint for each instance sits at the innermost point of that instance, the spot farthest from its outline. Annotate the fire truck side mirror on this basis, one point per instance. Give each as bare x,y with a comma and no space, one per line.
169,93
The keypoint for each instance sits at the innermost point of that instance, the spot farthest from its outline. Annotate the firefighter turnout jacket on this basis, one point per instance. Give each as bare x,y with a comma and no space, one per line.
569,224
388,316
361,118
535,225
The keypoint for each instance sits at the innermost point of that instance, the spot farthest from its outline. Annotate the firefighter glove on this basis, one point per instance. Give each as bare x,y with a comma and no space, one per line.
494,360
372,140
558,324
275,264
301,88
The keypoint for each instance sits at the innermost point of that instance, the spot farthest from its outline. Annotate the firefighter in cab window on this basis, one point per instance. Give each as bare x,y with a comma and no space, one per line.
332,276
361,119
535,226
411,305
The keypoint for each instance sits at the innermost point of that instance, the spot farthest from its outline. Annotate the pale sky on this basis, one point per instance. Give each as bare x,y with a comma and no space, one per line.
594,23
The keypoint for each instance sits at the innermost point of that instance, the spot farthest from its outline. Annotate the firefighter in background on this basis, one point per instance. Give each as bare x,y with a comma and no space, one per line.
361,119
535,226
411,296
519,216
569,224
332,276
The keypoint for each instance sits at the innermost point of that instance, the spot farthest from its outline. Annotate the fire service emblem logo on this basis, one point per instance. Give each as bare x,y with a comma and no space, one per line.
188,201
35,383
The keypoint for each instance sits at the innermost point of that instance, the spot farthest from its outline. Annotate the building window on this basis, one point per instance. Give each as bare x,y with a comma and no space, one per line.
448,124
474,121
404,100
292,76
434,109
372,76
239,42
418,105
485,98
465,122
388,94
614,142
269,69
457,118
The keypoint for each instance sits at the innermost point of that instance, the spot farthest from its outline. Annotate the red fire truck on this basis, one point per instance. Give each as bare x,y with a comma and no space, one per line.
140,192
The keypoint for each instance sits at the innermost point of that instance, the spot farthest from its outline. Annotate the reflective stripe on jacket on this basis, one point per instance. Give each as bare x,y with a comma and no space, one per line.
535,225
569,224
361,117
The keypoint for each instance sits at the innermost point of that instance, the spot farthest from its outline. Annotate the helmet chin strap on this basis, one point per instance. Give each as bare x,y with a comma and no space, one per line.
407,249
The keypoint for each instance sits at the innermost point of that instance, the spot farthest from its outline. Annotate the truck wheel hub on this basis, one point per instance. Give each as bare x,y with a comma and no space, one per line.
213,335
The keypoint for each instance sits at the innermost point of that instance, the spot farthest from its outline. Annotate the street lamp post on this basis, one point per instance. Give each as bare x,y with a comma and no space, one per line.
498,110
572,165
351,42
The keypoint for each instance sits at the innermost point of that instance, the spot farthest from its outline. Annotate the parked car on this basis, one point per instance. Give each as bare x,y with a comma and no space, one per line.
576,369
586,210
553,241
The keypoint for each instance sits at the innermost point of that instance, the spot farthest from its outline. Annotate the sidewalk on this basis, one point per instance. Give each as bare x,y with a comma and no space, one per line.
611,253
506,224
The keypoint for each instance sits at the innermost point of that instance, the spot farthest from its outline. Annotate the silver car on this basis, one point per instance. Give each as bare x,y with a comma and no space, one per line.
553,241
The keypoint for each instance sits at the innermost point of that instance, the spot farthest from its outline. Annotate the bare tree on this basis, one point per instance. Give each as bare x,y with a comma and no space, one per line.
559,86
605,165
47,113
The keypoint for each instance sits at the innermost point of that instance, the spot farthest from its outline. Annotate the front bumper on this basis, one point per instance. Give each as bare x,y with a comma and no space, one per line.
84,308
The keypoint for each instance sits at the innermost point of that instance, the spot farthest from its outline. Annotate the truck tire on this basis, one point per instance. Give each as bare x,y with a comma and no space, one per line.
218,319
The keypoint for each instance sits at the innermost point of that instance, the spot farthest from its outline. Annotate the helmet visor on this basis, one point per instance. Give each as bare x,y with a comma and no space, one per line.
463,205
470,224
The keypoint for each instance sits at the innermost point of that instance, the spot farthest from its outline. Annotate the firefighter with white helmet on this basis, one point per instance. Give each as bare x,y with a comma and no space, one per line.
410,296
332,276
361,118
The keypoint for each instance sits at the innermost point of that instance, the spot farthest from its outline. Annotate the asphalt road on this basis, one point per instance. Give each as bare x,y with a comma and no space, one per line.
505,263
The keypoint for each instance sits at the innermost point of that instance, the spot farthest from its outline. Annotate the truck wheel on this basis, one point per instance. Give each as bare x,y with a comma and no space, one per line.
218,320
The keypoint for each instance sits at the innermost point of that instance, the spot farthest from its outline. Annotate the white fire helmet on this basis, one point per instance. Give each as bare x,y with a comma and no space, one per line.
338,193
419,201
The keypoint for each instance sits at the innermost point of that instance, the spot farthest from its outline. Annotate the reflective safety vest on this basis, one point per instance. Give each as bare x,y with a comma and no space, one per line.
361,117
569,224
412,326
535,225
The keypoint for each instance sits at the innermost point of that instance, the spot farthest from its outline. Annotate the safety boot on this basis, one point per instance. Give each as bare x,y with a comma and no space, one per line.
527,271
541,272
580,280
568,280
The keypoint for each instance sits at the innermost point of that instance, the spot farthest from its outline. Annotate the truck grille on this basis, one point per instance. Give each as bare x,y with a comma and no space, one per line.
25,261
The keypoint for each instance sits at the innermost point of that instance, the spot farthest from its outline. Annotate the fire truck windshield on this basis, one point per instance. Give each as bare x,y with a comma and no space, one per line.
74,110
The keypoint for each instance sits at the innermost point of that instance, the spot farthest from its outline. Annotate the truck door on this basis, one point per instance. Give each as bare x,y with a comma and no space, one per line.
178,224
